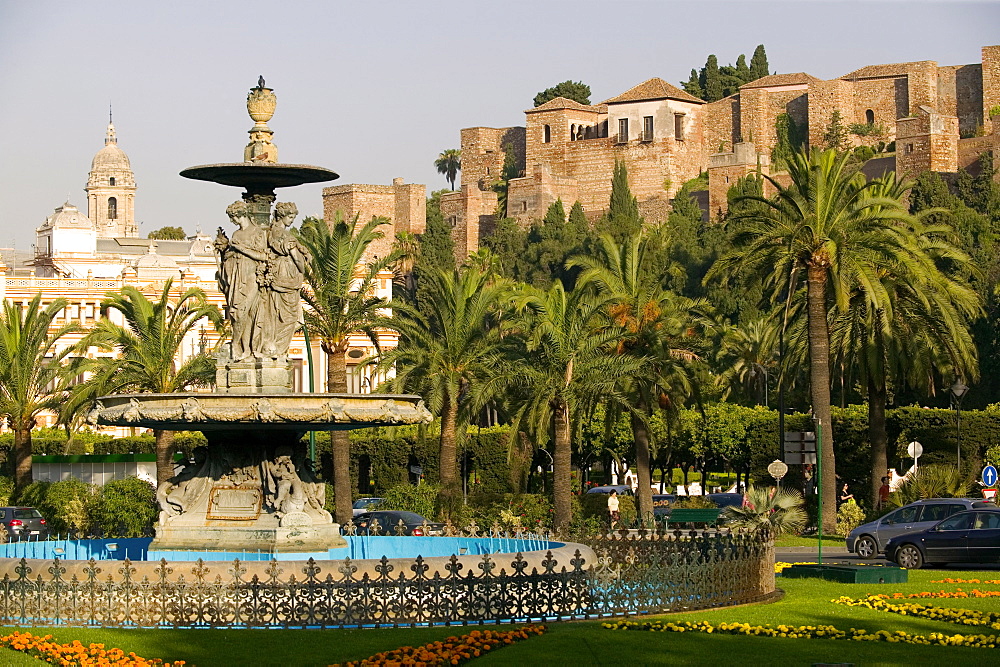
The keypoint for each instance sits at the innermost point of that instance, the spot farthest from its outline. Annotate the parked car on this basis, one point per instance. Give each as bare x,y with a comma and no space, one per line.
22,523
622,489
362,505
967,537
869,539
724,500
388,523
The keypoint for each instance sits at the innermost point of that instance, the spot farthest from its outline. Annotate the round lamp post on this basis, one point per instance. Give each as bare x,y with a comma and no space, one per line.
958,391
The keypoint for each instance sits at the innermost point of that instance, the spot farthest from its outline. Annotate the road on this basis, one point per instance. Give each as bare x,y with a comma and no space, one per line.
840,555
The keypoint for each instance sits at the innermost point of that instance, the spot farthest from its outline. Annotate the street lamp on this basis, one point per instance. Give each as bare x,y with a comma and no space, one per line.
958,391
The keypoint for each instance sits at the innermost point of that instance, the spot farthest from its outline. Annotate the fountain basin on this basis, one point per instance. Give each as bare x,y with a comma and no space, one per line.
263,177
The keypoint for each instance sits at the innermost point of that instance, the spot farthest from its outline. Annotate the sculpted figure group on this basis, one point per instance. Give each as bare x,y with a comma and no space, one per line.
260,272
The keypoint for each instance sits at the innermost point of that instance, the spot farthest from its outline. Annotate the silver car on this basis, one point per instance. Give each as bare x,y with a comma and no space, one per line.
869,539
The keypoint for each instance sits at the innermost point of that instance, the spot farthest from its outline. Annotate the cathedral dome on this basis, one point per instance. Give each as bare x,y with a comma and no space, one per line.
67,216
110,157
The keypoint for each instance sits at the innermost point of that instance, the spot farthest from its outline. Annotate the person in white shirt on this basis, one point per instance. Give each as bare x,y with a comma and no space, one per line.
613,508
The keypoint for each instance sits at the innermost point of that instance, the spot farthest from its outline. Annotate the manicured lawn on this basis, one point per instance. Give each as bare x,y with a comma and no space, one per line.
798,541
807,602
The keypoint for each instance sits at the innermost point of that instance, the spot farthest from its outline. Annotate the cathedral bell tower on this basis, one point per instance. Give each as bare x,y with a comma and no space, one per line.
111,191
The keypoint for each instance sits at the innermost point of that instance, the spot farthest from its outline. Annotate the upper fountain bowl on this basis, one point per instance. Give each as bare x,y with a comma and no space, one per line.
260,177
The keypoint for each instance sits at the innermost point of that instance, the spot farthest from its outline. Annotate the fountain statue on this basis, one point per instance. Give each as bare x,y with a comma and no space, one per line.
253,487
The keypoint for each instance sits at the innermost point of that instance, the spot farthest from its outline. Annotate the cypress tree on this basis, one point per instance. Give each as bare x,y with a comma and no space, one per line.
623,217
556,215
713,80
693,85
577,218
758,63
742,70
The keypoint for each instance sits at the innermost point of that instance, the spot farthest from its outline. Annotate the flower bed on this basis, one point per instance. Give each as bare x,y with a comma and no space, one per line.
949,615
75,654
964,581
974,593
451,651
810,632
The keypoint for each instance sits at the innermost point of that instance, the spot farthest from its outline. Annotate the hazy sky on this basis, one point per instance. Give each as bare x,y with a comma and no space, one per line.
374,90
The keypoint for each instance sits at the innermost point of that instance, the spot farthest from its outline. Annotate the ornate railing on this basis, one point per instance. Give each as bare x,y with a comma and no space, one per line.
632,574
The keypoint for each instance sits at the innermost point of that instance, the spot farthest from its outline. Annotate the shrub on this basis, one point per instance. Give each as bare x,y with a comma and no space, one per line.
779,510
864,153
421,499
65,506
6,490
995,111
595,505
124,508
849,516
693,503
931,481
511,511
32,495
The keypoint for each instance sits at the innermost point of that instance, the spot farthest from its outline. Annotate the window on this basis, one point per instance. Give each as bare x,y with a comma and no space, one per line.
112,208
647,128
572,132
453,220
548,135
524,206
679,126
870,117
111,181
909,148
937,512
987,521
957,522
623,130
904,515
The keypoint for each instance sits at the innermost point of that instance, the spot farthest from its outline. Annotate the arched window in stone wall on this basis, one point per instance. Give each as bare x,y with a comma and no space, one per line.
112,208
572,132
870,117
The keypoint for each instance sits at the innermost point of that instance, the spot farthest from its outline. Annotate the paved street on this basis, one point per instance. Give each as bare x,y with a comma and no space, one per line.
840,555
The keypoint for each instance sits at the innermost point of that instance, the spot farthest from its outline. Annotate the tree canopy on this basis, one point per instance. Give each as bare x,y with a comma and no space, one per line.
577,91
713,81
168,234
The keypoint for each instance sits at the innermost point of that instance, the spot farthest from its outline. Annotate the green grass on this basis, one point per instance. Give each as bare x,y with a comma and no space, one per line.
800,541
807,602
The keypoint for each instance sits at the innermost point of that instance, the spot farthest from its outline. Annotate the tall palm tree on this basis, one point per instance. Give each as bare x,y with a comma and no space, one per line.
448,353
829,225
449,163
34,373
651,323
569,364
918,334
748,357
340,294
148,345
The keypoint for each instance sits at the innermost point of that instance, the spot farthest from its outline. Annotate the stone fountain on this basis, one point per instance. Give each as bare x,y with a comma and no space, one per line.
253,487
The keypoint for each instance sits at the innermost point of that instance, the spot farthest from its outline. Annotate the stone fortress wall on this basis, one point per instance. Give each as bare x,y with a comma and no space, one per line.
938,116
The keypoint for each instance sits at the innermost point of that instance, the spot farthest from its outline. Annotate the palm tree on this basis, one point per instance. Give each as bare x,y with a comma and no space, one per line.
448,353
340,294
148,345
34,373
748,358
777,510
568,366
651,323
919,333
829,225
449,163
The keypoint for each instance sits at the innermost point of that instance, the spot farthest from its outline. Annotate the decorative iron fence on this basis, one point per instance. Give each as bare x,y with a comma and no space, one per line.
632,574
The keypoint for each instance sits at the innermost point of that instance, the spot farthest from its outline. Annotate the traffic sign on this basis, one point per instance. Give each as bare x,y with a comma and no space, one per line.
989,494
989,476
800,447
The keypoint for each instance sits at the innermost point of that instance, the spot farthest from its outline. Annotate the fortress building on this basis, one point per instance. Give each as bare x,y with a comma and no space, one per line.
938,117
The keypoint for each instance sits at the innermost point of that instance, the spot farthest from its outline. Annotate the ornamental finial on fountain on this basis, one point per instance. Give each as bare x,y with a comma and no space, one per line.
261,103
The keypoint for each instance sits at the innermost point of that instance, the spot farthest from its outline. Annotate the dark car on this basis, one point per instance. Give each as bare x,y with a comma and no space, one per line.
869,539
966,537
22,523
724,500
622,489
362,505
386,522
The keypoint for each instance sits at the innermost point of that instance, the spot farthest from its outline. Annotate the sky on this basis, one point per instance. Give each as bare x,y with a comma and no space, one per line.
374,90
